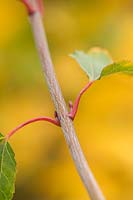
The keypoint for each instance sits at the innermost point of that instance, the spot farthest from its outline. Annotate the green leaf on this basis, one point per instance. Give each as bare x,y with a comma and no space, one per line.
93,62
7,170
123,66
1,138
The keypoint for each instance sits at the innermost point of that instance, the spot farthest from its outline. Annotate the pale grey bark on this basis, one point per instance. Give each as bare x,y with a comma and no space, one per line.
60,106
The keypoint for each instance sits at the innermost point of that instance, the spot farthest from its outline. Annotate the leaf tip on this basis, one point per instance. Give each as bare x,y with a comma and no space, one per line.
97,50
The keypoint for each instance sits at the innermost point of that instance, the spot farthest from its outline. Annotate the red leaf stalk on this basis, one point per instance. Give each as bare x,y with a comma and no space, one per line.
74,108
48,119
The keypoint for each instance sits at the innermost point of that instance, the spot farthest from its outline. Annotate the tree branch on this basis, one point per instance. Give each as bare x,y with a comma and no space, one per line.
60,106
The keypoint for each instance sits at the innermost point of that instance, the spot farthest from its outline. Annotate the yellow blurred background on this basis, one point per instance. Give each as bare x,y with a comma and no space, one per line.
104,122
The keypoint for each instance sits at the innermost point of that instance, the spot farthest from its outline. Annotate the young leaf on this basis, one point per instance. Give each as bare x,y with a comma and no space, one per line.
7,170
93,62
123,66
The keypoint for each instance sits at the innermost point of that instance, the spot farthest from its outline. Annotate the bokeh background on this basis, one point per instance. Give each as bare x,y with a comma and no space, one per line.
104,122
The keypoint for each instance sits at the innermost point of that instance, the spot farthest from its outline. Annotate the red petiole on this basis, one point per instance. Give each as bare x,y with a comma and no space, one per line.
40,7
74,108
48,119
72,114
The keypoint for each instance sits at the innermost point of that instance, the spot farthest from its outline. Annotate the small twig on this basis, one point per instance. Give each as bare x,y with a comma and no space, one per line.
48,119
60,106
74,108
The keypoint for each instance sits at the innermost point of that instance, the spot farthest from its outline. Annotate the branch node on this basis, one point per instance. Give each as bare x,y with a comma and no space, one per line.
57,117
31,9
71,116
